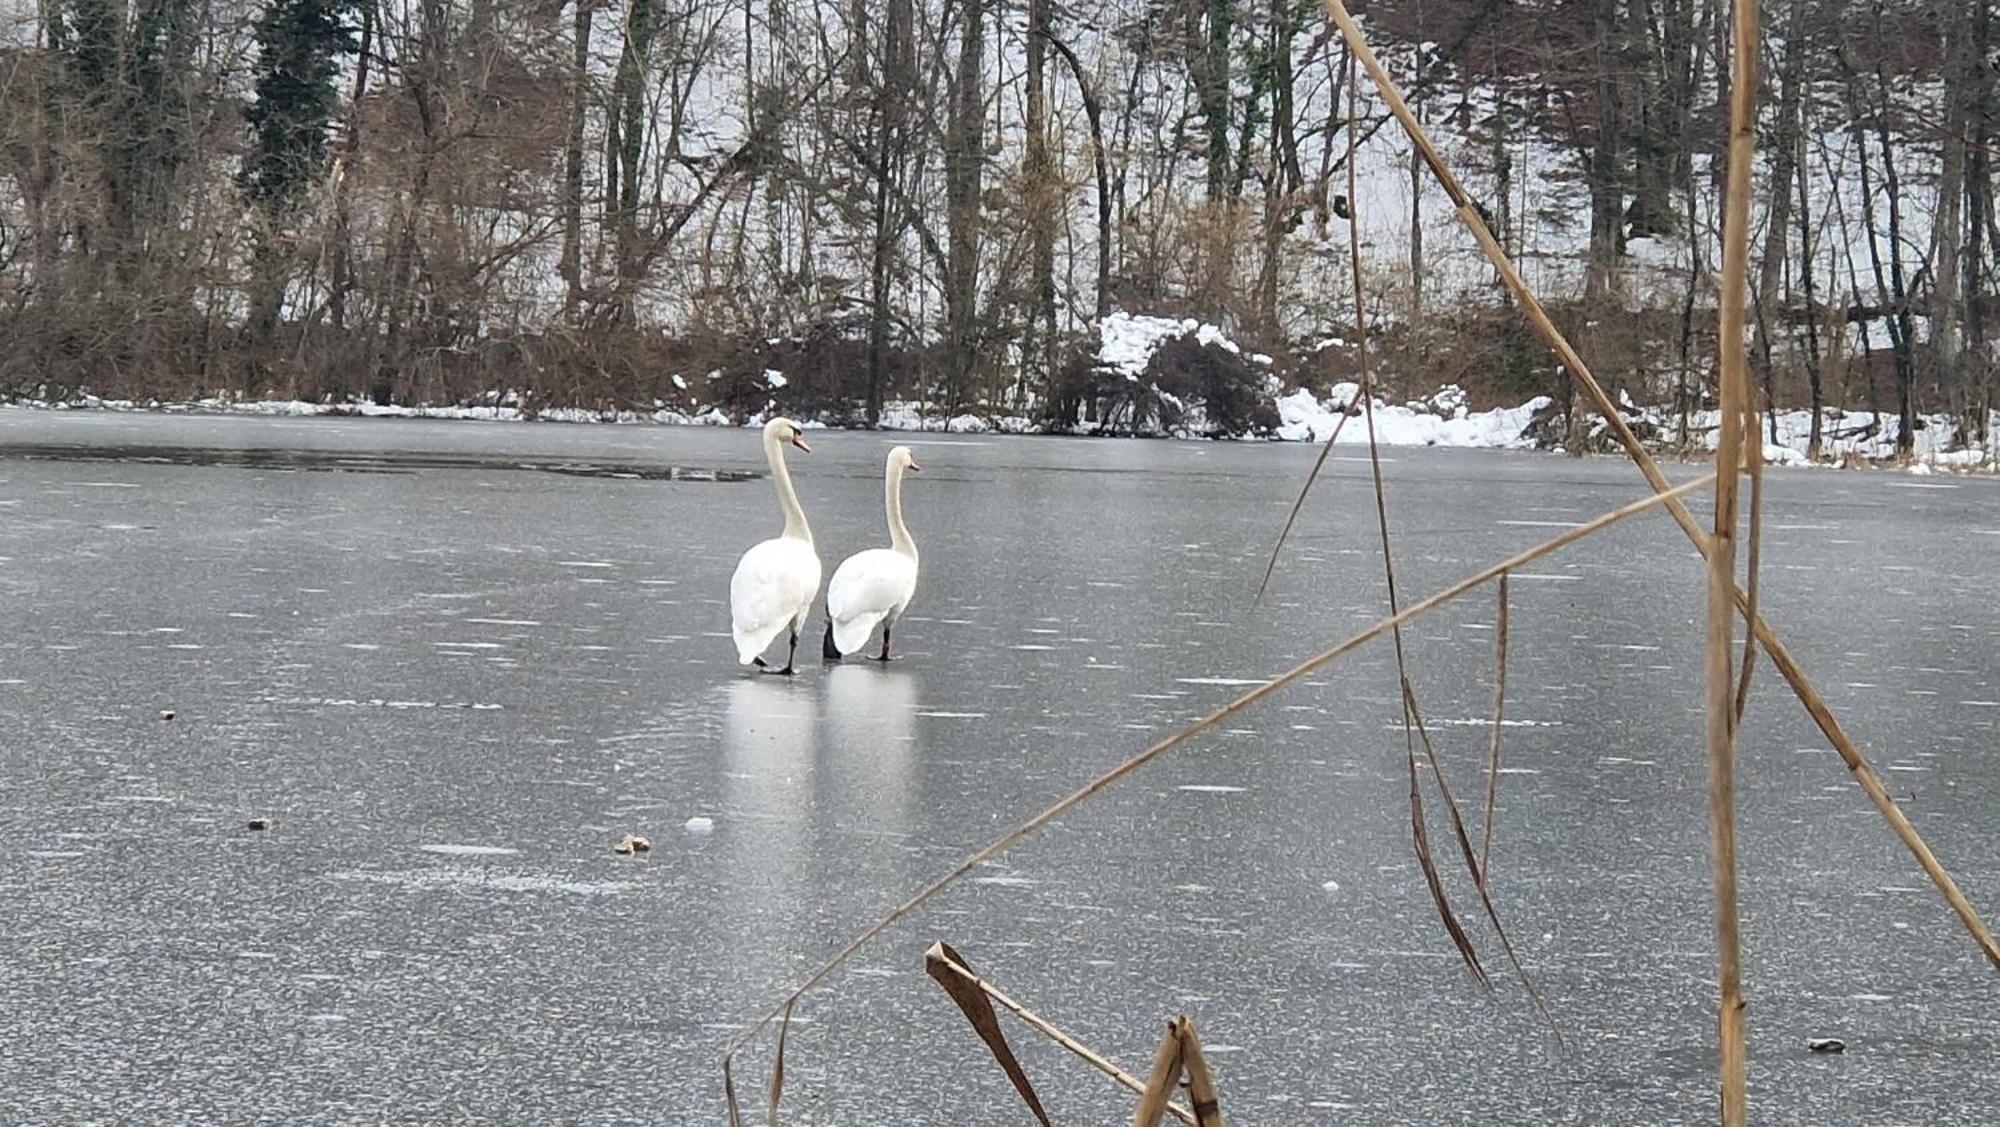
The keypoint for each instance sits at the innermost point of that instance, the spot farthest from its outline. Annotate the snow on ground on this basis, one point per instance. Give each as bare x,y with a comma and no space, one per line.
1843,435
1441,420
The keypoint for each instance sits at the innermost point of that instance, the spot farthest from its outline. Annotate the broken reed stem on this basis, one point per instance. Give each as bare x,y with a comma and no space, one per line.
1753,456
1499,713
1781,657
1201,1082
1110,778
1721,700
1162,1079
1048,1029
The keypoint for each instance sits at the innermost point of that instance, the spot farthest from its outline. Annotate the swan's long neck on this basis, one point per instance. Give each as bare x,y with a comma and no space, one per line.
899,533
788,498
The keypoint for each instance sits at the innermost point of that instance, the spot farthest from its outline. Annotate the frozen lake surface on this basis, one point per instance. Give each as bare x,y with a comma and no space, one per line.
458,662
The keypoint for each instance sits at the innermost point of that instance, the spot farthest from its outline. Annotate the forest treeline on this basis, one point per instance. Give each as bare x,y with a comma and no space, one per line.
631,203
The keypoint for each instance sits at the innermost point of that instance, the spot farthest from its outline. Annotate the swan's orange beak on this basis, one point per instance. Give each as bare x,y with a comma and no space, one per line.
799,440
914,467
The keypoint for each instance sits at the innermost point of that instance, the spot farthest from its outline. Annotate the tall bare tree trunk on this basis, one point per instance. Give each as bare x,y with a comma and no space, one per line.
1606,192
964,159
1982,133
1777,230
341,281
1038,359
571,266
629,98
1807,254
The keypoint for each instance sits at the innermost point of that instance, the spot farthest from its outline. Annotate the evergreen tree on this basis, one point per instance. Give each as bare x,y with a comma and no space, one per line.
299,44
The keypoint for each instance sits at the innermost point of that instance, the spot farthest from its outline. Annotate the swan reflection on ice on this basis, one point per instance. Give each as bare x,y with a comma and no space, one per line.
770,739
871,722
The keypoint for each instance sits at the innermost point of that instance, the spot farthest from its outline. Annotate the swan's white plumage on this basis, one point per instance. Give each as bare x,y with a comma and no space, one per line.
868,587
773,588
871,588
776,580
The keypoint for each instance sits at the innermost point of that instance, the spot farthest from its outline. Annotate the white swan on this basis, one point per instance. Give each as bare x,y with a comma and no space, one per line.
874,586
776,581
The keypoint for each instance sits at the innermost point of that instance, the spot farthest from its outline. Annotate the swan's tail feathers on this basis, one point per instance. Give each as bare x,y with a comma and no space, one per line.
749,646
827,649
851,635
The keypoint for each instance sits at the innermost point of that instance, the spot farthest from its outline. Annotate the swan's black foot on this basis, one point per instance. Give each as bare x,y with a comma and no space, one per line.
787,671
884,655
827,649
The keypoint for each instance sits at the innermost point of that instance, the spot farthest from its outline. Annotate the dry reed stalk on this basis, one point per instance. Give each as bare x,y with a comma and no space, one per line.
1781,657
1161,1081
957,977
1499,713
1291,518
1201,1082
1420,838
1413,723
1720,695
1084,793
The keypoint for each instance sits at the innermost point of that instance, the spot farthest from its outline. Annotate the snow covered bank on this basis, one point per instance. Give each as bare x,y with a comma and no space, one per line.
1441,420
1847,437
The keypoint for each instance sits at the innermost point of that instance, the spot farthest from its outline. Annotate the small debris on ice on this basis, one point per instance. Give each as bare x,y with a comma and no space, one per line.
262,823
633,844
166,714
699,825
1827,1045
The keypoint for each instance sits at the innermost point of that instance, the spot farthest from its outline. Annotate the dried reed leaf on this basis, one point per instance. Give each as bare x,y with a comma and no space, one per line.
729,1094
778,1068
939,962
1201,1082
1162,1080
1118,773
1048,1029
1472,865
1499,715
1420,836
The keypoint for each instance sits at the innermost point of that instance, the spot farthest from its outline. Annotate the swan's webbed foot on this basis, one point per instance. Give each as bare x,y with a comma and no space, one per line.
827,650
884,655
